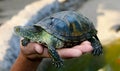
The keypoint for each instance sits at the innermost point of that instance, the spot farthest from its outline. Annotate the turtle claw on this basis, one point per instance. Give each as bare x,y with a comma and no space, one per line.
97,51
25,41
58,64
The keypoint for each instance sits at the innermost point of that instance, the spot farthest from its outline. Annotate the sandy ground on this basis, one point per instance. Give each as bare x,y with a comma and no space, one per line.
8,8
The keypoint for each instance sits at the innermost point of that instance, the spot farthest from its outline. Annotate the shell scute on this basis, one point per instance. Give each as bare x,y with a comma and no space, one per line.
67,26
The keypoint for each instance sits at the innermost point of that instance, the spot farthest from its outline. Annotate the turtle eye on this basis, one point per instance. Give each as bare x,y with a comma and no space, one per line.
17,28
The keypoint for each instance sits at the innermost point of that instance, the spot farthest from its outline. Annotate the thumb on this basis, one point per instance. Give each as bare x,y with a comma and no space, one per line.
32,48
38,48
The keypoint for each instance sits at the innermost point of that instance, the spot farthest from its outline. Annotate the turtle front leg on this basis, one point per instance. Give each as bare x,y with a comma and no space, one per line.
25,41
57,60
97,47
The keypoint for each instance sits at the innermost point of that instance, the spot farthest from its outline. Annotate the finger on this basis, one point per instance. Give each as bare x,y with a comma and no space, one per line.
45,53
69,53
76,51
32,48
84,47
86,42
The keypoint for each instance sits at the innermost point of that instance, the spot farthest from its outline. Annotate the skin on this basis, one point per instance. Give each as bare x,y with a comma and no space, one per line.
31,55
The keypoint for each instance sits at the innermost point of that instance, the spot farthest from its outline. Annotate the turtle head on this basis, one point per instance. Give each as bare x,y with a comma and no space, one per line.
18,30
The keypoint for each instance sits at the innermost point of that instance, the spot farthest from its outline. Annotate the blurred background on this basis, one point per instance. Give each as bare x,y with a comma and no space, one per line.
105,15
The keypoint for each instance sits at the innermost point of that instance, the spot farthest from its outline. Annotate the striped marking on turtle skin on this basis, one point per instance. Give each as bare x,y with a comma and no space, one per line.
57,60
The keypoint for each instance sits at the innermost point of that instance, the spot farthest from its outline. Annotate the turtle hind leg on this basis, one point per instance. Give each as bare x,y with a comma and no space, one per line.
25,41
97,47
57,60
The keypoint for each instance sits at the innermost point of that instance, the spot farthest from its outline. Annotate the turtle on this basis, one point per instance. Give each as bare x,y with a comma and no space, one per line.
61,30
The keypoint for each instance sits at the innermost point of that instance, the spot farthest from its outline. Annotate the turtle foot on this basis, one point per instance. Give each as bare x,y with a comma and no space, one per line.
97,47
58,64
25,41
97,51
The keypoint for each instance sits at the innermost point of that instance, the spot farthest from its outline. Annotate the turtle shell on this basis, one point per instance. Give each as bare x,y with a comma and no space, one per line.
68,26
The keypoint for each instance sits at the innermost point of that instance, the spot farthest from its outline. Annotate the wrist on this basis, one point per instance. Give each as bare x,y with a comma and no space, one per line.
27,59
22,63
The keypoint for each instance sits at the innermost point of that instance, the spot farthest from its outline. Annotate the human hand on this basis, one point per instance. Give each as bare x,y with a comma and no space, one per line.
35,51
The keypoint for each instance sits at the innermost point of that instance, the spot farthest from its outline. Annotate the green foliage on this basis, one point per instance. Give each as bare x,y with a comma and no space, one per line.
112,56
86,62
